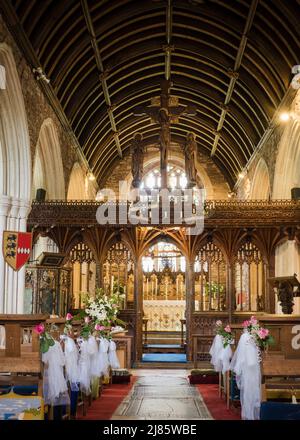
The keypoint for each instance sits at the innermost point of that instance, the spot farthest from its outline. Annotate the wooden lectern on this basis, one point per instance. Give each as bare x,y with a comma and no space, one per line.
286,292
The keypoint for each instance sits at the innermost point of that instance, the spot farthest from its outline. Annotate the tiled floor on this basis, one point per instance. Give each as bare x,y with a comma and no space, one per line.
162,395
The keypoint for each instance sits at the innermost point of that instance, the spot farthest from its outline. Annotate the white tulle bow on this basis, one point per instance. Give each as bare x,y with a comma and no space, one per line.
245,364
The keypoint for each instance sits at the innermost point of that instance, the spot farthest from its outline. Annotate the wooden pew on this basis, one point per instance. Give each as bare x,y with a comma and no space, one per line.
16,357
280,377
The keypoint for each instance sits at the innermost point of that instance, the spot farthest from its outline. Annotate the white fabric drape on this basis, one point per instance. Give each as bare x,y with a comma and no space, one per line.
71,356
103,357
220,356
112,355
215,352
245,364
55,387
225,358
93,353
84,366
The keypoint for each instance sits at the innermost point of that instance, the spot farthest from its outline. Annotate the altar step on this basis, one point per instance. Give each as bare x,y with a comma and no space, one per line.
162,338
164,365
163,348
171,365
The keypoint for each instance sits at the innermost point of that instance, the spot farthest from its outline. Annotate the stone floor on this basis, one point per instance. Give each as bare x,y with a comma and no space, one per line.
162,395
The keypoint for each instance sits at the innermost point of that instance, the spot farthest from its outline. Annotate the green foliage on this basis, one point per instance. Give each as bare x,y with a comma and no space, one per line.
46,341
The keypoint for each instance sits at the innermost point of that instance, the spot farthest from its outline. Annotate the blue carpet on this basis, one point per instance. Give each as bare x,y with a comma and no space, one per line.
164,357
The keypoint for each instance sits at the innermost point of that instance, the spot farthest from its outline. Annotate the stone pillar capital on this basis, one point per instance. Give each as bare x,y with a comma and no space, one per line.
5,205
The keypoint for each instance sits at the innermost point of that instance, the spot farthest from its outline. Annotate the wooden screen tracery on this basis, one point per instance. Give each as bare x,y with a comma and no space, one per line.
210,279
118,270
83,272
250,278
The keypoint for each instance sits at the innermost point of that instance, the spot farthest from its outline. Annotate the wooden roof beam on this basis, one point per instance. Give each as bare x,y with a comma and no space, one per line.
102,73
168,48
234,73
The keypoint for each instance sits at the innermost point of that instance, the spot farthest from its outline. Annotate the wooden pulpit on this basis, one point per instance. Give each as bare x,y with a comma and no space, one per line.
286,291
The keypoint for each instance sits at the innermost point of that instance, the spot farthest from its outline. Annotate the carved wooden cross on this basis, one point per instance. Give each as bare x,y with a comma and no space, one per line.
165,110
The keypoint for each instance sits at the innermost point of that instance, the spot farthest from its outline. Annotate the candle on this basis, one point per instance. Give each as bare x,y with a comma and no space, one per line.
112,284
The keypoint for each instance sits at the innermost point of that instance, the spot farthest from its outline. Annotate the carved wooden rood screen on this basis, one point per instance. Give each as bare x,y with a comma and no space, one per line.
250,279
210,279
227,265
83,266
118,271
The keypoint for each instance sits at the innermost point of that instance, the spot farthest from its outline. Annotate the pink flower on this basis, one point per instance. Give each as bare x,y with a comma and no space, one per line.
115,306
99,327
253,320
39,329
218,323
246,324
69,317
227,329
86,319
263,333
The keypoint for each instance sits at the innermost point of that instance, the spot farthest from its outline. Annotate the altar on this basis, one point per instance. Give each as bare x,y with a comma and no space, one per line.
164,315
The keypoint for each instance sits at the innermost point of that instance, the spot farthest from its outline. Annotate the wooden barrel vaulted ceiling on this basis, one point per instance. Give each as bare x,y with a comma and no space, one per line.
231,59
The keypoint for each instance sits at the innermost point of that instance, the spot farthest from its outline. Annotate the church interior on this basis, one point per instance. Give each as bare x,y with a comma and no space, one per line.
149,209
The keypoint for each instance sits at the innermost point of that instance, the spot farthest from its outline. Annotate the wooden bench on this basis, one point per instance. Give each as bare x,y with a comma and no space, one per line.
280,377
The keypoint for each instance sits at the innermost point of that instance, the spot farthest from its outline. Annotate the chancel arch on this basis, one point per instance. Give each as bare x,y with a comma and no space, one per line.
48,173
15,176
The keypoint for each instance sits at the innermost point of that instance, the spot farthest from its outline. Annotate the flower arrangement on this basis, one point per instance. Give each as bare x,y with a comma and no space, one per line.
46,340
100,313
260,335
225,332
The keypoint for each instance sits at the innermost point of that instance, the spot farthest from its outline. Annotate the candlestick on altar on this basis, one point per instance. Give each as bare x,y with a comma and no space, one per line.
112,284
147,288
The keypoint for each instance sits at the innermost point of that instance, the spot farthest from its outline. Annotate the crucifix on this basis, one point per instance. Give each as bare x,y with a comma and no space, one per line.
164,110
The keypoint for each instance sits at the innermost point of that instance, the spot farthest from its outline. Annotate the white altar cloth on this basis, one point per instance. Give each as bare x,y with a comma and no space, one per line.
164,315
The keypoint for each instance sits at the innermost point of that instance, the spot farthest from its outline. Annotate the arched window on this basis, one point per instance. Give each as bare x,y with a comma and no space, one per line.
176,178
210,279
250,278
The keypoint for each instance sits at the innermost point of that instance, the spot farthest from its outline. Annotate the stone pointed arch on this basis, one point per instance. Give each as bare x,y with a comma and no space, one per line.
15,176
287,169
79,187
48,167
260,188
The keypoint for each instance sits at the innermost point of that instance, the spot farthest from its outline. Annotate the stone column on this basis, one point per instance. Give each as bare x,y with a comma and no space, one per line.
138,303
190,303
5,205
23,213
14,281
10,274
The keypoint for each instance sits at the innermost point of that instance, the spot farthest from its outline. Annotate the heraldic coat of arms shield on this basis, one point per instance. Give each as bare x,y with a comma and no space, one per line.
16,248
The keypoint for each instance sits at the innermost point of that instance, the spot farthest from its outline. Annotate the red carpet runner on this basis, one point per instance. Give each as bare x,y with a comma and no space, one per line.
215,404
111,397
